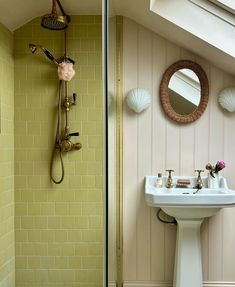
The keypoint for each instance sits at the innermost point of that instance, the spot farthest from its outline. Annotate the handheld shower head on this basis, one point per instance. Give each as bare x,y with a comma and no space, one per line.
53,21
34,47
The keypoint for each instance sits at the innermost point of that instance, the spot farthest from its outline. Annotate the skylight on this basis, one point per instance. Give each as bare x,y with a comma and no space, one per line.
223,9
228,5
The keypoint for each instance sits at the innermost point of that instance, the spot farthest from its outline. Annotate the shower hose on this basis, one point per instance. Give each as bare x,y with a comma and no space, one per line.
57,149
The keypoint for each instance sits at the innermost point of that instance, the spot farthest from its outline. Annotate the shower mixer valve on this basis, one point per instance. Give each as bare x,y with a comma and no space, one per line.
67,144
69,102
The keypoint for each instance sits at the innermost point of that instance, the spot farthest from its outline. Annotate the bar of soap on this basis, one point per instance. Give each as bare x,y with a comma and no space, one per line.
183,181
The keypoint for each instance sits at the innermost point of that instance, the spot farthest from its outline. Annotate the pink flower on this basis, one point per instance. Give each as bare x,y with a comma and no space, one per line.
221,164
65,71
215,169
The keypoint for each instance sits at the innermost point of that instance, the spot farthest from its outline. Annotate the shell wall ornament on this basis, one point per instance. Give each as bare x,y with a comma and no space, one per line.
138,100
226,99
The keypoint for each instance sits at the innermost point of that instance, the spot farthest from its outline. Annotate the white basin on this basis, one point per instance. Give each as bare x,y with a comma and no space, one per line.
189,206
188,197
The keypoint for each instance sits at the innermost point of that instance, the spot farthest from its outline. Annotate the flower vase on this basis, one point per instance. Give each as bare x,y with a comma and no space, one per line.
213,182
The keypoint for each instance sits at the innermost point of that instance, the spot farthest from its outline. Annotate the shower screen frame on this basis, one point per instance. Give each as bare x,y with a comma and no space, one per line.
105,137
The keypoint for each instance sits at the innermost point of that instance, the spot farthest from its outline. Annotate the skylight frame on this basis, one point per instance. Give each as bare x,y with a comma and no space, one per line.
218,9
228,5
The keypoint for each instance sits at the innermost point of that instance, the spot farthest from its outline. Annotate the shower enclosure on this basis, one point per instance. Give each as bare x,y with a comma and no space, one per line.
60,229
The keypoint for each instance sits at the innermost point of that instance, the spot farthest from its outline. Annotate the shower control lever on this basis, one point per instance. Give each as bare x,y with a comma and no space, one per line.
74,134
74,98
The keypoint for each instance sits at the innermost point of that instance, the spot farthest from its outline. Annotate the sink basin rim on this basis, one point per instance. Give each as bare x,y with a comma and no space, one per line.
160,197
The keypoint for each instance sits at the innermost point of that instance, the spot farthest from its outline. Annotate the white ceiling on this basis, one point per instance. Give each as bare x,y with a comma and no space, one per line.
15,13
13,16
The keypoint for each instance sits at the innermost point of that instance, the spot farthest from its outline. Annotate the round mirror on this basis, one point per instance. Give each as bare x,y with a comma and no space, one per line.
184,91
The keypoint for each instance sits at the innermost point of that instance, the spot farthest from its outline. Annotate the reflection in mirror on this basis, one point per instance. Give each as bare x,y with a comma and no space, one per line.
184,91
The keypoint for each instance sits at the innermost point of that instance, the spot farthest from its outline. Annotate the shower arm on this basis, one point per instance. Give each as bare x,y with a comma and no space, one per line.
54,7
60,6
61,9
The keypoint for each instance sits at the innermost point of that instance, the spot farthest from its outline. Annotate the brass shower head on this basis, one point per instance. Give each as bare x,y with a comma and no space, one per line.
53,21
33,48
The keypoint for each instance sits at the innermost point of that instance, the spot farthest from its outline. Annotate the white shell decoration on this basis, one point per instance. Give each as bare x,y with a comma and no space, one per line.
226,99
138,99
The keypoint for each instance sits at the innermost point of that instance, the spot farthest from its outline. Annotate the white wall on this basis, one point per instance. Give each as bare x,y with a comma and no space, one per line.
153,143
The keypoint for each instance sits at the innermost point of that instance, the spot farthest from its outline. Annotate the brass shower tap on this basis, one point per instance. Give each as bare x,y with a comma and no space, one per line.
67,145
69,102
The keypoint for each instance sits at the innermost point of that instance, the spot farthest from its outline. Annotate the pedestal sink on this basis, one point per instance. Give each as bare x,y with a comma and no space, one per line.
189,206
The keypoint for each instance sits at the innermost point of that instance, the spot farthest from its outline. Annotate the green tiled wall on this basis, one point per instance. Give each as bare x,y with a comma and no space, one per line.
7,260
58,227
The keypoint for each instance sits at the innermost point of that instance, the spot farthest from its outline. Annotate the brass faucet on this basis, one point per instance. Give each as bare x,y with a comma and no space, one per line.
67,144
199,183
69,102
169,181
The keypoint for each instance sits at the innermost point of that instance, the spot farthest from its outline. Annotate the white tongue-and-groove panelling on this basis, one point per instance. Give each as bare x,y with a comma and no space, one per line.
152,143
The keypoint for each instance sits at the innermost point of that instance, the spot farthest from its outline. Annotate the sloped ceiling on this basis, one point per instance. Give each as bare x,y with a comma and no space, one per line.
13,16
160,21
15,13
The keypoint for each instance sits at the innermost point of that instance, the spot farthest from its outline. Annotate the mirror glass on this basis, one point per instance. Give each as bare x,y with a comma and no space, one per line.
184,91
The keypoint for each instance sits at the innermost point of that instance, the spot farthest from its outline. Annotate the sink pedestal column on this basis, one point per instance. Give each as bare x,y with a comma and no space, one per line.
188,267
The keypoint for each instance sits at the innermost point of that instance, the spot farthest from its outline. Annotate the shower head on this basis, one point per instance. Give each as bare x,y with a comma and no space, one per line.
34,47
53,21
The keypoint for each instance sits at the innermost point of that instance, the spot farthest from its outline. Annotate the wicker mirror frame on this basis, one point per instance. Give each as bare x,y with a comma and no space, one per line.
164,93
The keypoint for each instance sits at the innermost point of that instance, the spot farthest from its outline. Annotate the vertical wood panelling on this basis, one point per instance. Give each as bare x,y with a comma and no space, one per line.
130,152
202,141
229,214
158,117
172,162
158,156
215,153
153,143
144,155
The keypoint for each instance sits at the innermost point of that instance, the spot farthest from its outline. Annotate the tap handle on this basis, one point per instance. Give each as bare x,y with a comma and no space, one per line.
170,171
74,134
77,146
199,171
74,98
70,60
